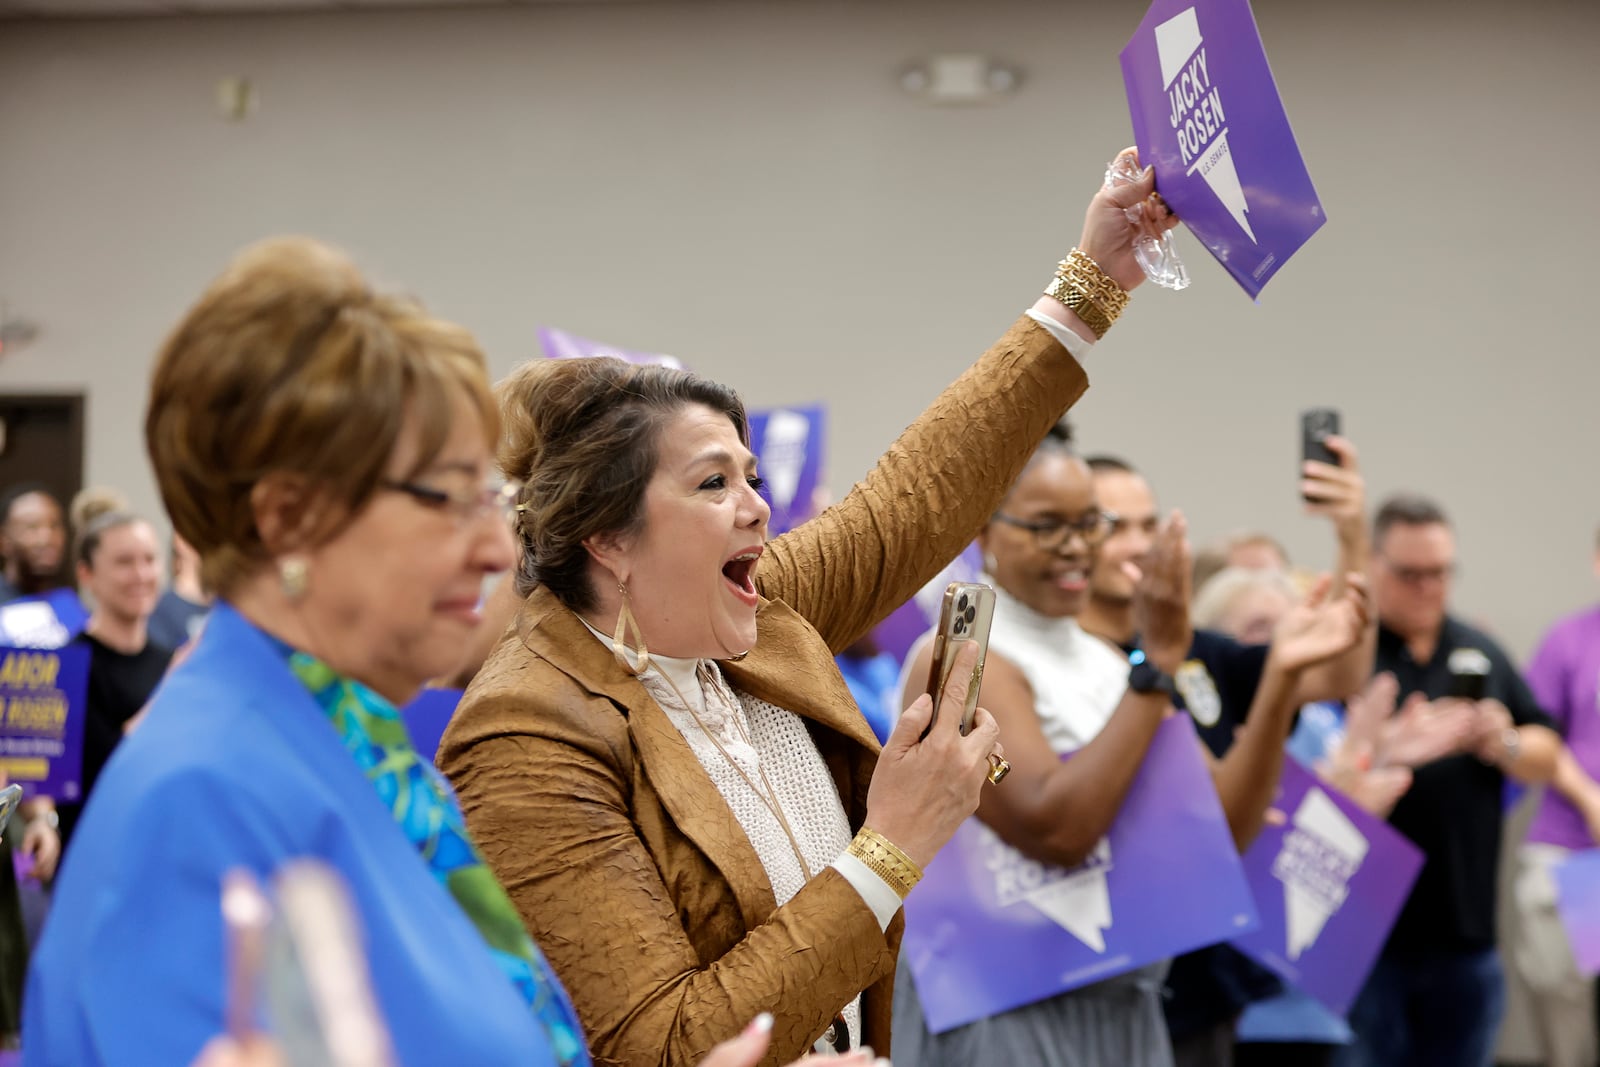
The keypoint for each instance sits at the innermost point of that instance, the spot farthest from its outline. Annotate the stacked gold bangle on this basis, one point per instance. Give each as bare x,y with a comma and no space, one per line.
1089,291
885,860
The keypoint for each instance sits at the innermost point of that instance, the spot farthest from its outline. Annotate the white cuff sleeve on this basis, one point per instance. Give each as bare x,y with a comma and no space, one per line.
883,901
1069,338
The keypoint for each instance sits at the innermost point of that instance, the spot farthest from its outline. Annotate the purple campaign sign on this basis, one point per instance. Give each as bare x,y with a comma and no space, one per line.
1578,903
1207,114
988,930
559,344
41,728
426,718
789,443
897,633
1329,883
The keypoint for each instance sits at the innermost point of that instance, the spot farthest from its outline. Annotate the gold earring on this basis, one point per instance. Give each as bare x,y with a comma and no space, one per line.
619,643
295,575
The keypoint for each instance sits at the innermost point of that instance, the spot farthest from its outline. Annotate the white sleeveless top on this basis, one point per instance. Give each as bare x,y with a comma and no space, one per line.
1077,679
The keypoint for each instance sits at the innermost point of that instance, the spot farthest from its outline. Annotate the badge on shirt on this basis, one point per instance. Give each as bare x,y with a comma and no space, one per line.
1199,692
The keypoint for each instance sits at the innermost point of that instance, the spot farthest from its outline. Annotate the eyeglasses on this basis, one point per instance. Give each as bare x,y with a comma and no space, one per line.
497,497
1415,576
1051,534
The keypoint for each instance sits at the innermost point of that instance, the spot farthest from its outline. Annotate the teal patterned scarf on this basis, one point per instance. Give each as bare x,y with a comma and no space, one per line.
426,809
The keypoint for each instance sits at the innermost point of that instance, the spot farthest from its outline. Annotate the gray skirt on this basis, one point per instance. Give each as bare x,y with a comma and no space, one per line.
1115,1023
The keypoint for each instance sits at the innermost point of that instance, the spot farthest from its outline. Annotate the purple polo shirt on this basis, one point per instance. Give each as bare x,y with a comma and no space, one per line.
1565,678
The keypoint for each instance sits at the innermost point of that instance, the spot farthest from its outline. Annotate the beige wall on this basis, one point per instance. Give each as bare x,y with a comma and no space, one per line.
745,185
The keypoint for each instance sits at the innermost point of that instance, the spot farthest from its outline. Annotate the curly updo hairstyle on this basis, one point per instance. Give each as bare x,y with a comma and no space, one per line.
583,436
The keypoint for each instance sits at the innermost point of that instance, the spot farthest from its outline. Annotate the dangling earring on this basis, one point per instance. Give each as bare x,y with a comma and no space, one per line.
295,575
619,642
989,562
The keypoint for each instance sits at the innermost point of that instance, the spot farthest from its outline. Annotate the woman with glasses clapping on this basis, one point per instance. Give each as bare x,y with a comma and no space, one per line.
1055,689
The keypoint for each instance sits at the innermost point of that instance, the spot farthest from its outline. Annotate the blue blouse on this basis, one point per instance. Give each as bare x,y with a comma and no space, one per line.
236,766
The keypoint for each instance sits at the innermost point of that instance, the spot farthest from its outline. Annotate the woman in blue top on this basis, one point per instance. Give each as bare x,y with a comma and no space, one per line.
328,452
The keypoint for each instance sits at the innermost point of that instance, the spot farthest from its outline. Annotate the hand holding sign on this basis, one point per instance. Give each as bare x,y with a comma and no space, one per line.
1109,237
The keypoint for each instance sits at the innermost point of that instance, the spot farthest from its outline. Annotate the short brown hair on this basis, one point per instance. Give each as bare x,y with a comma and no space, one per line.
1406,509
583,436
289,363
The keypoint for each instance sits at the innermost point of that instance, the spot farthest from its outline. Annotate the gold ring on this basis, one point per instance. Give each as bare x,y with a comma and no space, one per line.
999,767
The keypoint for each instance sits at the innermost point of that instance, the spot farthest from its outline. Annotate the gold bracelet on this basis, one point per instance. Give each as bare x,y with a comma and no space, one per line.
1093,294
885,860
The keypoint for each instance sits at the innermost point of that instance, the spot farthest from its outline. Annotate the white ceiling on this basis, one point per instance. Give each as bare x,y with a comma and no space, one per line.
10,9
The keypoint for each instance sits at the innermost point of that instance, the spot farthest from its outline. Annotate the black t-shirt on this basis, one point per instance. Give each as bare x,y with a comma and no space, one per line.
119,685
1216,685
1454,806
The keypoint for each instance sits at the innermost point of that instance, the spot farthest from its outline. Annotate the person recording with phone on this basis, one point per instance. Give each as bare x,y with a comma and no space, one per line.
696,823
1056,689
1217,685
1437,993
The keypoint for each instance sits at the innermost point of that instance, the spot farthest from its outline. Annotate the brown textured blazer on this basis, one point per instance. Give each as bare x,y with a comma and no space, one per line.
625,862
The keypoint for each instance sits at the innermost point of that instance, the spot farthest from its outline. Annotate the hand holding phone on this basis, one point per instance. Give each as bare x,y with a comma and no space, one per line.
1469,674
964,618
1316,426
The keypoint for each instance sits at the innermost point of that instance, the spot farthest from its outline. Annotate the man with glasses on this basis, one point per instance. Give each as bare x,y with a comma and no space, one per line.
1437,994
1208,990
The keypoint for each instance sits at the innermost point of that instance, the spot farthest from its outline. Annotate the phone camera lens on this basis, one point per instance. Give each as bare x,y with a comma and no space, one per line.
961,604
960,627
971,614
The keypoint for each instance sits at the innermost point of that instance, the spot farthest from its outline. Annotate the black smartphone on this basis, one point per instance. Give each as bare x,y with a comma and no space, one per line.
1469,674
1316,426
965,616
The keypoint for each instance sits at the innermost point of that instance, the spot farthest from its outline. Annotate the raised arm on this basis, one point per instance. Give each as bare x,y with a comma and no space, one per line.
1339,494
938,483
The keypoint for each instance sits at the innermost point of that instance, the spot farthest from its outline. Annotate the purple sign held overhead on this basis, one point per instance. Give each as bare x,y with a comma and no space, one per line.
789,444
559,344
1329,883
41,718
1207,115
988,929
1578,904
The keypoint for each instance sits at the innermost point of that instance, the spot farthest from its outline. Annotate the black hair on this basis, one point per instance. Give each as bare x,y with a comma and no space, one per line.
1407,509
1101,462
9,498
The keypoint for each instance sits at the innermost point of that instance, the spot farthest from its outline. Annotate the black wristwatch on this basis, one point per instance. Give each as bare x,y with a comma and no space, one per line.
1146,677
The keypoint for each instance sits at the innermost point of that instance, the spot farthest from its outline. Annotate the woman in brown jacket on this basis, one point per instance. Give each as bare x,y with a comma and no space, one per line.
670,803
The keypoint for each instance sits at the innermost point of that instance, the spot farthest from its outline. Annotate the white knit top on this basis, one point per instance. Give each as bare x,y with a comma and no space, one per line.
759,737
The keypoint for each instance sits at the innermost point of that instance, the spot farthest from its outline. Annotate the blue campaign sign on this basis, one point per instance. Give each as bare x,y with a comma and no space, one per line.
42,717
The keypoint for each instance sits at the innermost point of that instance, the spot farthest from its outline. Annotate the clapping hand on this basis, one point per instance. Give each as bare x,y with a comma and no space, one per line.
1161,595
1319,627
